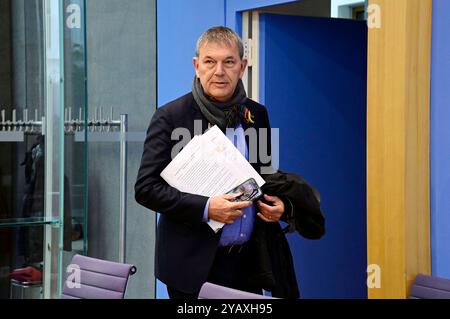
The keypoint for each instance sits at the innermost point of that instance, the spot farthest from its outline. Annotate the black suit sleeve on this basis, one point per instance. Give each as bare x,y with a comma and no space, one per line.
151,190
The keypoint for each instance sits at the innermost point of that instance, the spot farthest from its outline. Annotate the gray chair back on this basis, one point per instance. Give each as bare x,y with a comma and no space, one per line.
92,278
428,287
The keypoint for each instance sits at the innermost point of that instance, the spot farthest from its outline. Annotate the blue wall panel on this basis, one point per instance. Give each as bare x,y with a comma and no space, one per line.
440,140
180,23
314,86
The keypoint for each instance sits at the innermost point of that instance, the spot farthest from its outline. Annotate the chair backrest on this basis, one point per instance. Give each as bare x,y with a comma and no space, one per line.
92,278
428,287
212,291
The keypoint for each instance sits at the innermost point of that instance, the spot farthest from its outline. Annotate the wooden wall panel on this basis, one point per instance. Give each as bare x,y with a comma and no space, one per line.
398,204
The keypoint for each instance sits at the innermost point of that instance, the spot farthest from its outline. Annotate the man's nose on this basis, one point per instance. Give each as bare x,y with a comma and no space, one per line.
219,69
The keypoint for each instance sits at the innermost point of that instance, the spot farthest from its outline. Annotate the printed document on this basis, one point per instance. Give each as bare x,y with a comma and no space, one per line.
209,165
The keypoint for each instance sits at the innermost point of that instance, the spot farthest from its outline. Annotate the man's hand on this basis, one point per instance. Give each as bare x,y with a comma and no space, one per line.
273,213
223,209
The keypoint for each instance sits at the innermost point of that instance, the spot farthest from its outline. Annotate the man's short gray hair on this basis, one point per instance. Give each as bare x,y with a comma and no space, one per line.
220,34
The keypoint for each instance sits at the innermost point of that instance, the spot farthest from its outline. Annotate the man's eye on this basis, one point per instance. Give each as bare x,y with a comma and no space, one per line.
229,62
209,61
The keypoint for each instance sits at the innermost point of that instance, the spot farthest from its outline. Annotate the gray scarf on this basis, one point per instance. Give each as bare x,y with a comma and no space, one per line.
222,114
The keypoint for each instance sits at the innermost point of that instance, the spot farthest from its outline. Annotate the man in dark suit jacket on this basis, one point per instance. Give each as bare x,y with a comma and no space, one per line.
188,251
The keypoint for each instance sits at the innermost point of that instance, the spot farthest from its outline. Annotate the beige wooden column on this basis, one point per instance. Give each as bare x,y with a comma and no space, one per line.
398,205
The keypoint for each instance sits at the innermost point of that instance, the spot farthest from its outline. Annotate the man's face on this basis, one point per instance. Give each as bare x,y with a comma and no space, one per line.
219,68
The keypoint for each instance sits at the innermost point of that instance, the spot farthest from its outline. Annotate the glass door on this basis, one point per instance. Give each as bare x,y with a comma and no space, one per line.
74,164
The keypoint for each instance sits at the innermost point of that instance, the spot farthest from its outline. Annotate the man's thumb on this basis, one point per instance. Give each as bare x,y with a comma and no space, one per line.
232,196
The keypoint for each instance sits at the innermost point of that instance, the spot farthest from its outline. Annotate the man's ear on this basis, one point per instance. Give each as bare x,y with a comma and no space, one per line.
195,63
243,66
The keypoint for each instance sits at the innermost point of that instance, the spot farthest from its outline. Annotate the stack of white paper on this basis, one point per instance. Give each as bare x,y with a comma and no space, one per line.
209,165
